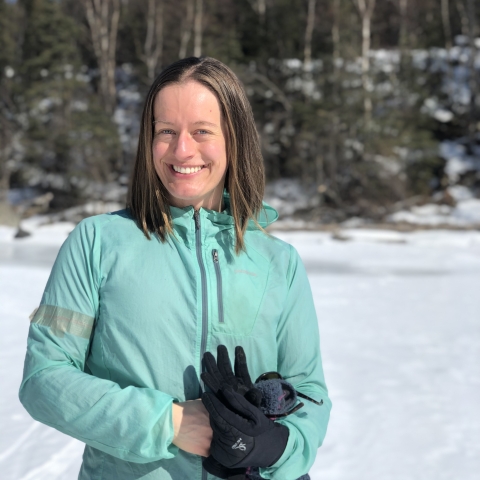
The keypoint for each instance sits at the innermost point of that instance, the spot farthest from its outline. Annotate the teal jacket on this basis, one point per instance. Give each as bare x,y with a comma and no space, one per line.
123,325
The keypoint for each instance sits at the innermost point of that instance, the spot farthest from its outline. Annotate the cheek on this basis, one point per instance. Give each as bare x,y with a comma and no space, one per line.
216,153
159,149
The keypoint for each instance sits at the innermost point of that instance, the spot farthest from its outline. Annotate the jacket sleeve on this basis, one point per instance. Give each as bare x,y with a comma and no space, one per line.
299,361
132,423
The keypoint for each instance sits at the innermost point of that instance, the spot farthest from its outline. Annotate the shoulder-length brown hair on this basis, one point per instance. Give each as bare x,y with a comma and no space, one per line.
147,198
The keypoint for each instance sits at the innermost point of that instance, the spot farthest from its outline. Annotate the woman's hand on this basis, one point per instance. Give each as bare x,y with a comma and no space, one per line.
191,427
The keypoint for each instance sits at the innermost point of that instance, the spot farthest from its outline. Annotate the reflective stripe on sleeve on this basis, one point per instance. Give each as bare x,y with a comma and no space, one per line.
61,321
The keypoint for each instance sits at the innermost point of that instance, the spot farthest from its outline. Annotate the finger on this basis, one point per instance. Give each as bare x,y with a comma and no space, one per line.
254,396
211,382
222,419
241,369
240,406
210,403
210,365
225,367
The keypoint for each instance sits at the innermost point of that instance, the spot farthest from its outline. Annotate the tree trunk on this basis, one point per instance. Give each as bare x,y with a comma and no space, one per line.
336,32
447,29
262,9
366,8
153,47
473,83
5,173
463,16
334,126
197,50
403,36
103,17
186,29
307,52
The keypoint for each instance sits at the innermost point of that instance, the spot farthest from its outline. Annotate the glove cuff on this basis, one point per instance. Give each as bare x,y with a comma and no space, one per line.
273,446
218,470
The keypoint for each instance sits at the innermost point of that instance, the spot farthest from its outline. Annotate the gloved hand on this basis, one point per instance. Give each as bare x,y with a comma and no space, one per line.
220,372
242,435
215,468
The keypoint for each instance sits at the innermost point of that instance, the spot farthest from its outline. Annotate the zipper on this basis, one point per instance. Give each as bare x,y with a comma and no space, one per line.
218,273
203,276
204,472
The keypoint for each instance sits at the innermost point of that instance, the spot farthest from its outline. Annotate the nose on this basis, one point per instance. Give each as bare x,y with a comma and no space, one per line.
185,147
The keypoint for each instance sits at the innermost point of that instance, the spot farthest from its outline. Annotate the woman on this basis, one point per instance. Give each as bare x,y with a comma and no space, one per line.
136,297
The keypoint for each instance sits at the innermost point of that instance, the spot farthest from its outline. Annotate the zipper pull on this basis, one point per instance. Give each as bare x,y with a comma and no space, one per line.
215,256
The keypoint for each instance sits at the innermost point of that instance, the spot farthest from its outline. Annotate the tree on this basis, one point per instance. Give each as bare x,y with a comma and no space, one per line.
103,17
8,110
473,80
366,8
447,28
153,45
186,29
307,52
197,26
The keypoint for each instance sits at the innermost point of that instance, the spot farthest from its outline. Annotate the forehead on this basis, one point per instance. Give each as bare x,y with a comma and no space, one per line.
186,100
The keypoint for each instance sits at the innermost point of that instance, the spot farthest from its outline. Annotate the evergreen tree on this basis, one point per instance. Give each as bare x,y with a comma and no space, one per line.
61,108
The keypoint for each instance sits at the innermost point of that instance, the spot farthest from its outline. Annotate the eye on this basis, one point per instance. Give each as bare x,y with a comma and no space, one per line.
202,132
165,131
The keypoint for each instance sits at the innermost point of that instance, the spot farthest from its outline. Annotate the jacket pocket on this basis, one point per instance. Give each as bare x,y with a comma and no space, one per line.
218,275
240,287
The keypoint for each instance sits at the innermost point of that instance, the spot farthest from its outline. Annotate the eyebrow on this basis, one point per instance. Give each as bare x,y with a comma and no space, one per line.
203,122
200,122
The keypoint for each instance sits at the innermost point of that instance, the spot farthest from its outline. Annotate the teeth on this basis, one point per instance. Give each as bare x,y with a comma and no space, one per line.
186,170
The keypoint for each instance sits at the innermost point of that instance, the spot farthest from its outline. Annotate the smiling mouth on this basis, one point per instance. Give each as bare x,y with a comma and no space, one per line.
186,170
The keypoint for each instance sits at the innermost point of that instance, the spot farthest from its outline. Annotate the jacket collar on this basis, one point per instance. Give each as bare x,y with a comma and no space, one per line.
183,217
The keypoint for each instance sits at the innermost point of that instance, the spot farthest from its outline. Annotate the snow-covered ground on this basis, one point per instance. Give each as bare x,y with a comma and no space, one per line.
399,316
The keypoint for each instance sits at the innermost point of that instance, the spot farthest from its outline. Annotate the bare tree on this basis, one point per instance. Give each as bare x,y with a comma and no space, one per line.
153,46
103,17
366,8
187,25
197,49
260,7
462,11
334,124
403,36
6,134
336,32
473,83
447,29
307,52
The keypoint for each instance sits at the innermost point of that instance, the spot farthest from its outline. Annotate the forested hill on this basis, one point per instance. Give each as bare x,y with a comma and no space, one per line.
367,107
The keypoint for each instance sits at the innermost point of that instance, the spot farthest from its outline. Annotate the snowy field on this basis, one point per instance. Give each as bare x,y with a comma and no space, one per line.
399,317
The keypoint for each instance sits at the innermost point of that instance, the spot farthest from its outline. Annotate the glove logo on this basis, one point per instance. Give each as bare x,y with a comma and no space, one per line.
238,445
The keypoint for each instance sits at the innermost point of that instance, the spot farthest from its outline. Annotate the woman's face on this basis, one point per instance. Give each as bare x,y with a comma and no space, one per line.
189,145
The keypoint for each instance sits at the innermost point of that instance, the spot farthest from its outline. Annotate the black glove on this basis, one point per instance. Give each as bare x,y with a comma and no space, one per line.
220,372
242,435
218,470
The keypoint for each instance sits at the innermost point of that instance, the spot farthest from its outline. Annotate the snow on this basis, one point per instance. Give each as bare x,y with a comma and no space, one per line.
460,193
466,213
458,162
399,321
289,195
